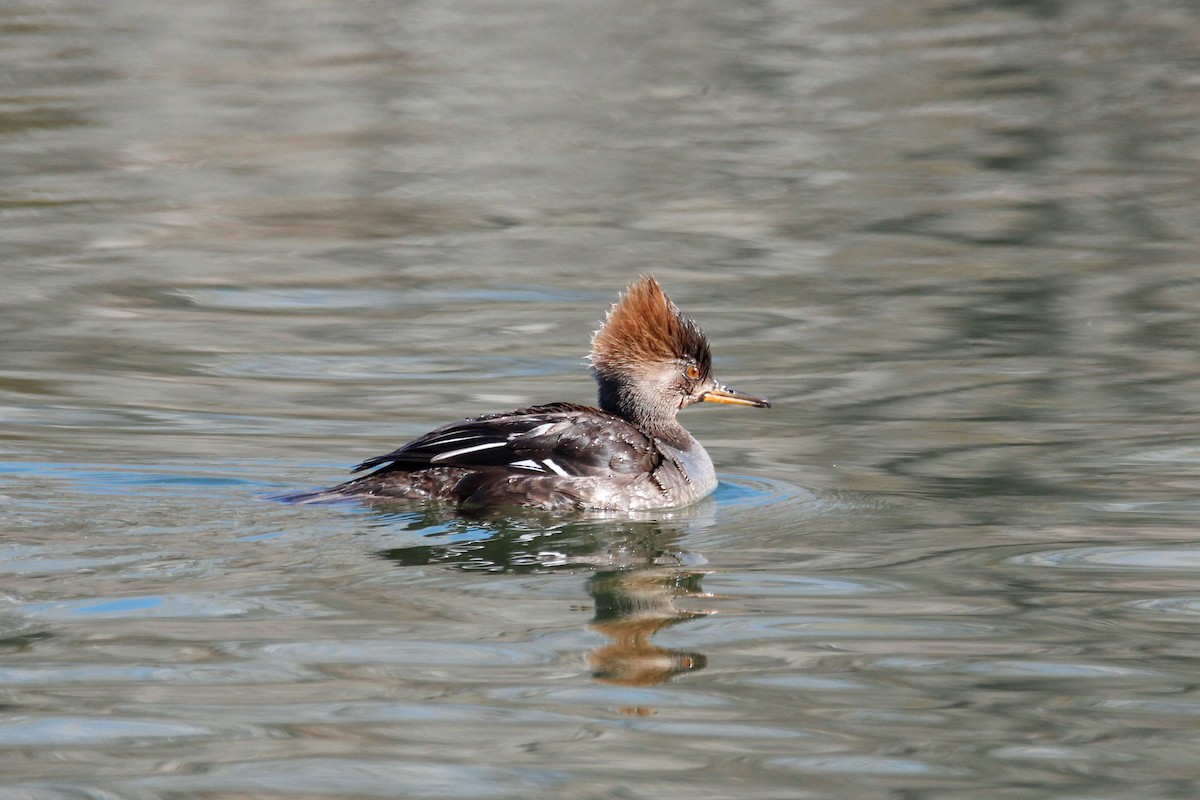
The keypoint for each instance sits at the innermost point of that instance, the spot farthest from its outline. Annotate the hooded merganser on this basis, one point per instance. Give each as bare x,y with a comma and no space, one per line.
629,454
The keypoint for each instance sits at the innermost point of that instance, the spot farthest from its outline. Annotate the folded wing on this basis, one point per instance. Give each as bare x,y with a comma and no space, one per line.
558,439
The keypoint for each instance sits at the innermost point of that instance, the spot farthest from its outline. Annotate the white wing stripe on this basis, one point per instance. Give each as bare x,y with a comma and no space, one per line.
453,439
555,467
528,463
465,450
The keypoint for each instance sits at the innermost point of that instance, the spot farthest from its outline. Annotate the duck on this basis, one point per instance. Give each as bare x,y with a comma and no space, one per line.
627,453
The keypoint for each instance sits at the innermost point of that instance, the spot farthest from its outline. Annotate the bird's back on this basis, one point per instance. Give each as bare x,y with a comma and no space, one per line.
558,456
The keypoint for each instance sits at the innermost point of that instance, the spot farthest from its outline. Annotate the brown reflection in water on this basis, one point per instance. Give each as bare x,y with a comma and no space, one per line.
632,606
640,571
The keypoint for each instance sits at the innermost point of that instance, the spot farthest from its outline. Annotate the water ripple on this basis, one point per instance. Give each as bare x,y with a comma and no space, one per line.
342,367
864,765
740,628
784,498
194,605
1011,668
347,777
298,298
610,696
423,653
718,729
764,584
749,490
204,674
60,731
25,559
1115,557
1168,605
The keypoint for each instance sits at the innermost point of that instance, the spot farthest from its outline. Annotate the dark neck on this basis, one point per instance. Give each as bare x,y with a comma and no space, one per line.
656,419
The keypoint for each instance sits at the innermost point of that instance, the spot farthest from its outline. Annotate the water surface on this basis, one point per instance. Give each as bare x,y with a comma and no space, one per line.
247,246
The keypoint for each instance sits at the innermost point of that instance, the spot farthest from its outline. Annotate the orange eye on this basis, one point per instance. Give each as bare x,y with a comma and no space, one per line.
692,371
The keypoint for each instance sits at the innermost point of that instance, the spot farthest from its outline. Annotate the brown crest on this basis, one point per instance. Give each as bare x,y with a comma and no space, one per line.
645,326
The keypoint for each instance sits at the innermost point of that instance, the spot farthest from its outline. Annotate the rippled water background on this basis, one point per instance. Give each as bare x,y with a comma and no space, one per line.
246,245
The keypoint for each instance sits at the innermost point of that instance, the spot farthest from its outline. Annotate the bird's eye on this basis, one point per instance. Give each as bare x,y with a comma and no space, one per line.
692,371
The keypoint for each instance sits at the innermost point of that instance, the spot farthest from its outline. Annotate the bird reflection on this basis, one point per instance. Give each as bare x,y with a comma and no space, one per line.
640,571
631,606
